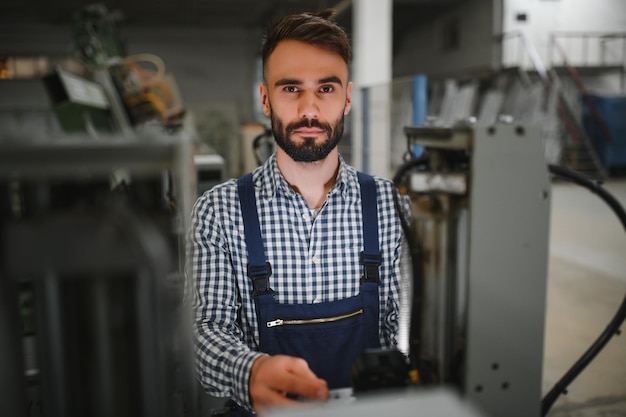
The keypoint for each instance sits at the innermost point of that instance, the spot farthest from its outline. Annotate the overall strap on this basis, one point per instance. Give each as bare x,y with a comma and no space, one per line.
370,257
259,269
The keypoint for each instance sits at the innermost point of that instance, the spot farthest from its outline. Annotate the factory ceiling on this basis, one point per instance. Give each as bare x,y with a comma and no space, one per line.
214,13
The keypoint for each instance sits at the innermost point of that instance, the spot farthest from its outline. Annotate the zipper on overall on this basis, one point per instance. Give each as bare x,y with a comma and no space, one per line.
281,322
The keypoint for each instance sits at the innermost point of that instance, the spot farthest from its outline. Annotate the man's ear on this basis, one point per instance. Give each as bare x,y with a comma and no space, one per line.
348,106
265,100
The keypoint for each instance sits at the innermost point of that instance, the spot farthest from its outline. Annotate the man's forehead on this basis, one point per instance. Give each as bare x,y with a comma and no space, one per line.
296,59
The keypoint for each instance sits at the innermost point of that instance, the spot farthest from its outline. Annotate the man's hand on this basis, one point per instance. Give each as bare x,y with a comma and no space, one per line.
273,377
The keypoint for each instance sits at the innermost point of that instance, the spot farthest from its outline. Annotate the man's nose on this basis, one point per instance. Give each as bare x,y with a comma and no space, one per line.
309,108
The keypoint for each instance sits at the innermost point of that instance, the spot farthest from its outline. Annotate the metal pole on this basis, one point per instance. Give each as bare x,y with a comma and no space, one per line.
420,103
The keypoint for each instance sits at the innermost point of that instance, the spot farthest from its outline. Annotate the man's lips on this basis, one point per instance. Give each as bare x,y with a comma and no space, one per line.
308,131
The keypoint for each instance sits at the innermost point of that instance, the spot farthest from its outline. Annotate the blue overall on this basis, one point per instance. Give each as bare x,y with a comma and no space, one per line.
328,335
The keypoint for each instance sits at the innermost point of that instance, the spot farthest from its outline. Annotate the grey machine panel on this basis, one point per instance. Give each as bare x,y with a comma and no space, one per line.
508,253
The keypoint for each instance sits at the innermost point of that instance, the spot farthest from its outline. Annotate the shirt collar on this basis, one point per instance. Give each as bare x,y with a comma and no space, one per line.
270,181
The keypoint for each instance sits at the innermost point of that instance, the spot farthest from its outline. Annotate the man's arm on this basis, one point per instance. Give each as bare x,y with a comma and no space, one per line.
225,365
399,284
223,361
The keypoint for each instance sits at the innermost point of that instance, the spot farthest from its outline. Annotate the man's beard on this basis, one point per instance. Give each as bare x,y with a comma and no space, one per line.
308,151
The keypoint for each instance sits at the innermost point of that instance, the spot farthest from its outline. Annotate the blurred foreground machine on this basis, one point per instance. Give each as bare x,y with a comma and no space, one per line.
91,276
92,240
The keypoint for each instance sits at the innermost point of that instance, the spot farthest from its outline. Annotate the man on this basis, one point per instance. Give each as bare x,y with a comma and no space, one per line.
289,285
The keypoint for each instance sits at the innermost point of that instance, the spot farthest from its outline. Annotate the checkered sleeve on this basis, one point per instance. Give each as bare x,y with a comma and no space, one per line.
223,360
393,250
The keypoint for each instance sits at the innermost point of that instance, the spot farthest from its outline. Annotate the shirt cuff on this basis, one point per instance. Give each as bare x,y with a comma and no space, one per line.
242,380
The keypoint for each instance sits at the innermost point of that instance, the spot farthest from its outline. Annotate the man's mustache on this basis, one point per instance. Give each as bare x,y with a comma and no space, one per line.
308,123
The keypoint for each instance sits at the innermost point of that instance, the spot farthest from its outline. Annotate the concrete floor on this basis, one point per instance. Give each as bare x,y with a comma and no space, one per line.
586,284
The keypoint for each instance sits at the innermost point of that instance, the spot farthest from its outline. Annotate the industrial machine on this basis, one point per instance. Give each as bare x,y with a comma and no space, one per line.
481,210
92,241
92,272
479,239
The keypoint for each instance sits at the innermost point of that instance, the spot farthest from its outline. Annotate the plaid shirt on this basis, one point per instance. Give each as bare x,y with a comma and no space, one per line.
314,258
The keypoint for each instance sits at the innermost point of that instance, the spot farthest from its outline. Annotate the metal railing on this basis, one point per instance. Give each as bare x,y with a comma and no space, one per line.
588,49
525,51
522,50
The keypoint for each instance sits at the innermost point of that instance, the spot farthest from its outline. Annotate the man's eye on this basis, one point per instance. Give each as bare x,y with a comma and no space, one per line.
291,89
327,89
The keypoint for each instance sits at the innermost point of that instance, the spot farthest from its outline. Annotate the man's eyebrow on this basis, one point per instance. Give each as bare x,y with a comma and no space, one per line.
330,80
287,81
333,79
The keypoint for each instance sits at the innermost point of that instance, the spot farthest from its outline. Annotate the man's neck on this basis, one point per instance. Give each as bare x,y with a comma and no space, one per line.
312,180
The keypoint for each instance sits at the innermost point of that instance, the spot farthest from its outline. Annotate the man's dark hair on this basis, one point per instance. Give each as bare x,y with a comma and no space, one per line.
317,29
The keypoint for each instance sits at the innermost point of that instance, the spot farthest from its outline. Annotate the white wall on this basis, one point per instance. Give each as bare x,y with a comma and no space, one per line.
566,15
545,17
482,20
421,51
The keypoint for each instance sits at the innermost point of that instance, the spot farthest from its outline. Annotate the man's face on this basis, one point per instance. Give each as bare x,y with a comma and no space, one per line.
306,94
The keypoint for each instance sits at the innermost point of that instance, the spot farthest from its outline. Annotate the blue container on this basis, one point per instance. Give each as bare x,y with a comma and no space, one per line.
612,151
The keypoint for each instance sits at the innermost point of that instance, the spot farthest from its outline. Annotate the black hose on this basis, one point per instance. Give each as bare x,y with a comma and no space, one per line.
613,327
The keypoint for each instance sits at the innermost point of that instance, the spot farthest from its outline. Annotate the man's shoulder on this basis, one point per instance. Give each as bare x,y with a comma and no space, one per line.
220,194
382,184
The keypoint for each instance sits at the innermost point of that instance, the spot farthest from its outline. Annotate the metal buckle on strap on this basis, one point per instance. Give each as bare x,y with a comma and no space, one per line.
370,267
260,278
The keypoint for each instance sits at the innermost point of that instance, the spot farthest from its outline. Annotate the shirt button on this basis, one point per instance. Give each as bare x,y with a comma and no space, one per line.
306,216
315,259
